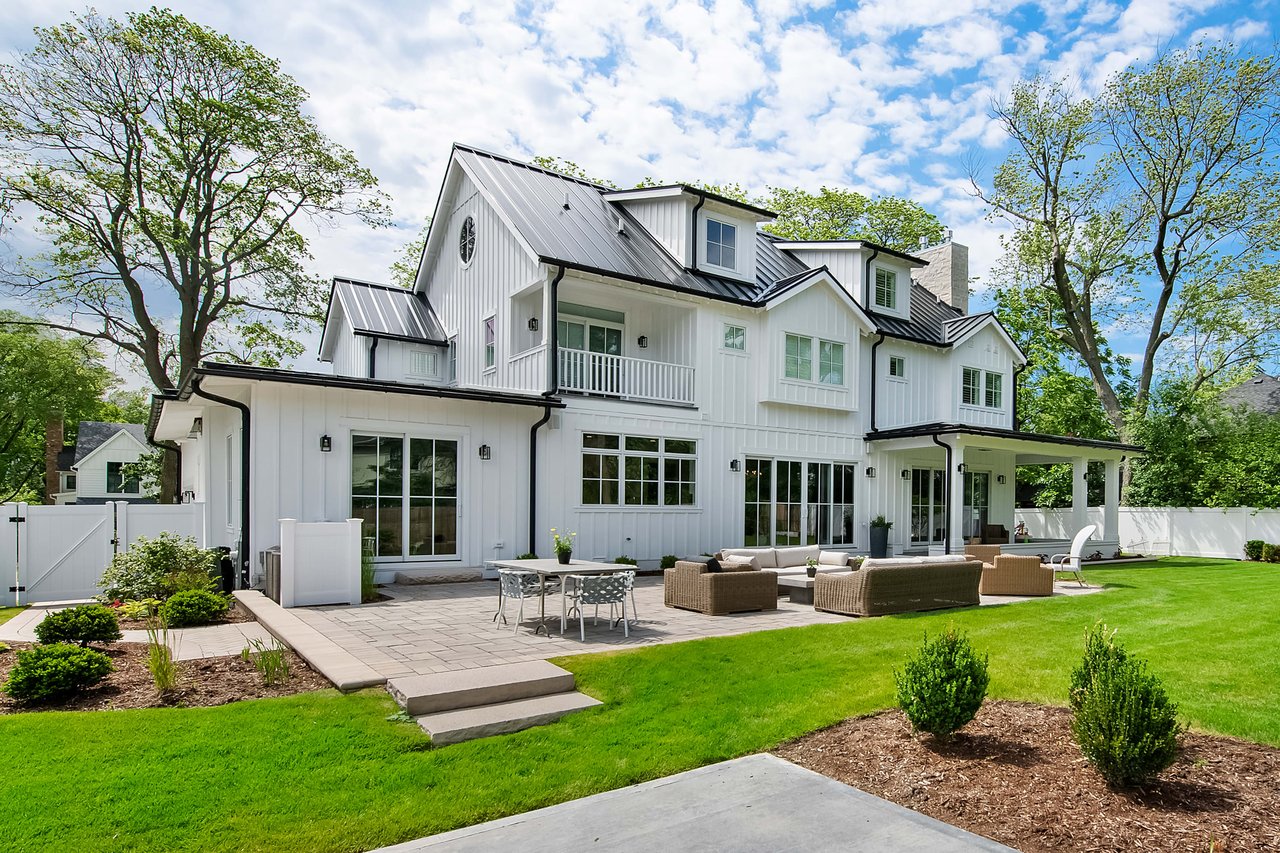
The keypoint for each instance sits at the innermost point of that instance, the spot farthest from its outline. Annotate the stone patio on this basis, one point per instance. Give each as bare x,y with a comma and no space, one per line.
430,628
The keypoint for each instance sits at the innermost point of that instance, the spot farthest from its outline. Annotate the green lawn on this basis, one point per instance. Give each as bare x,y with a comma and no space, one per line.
327,772
7,613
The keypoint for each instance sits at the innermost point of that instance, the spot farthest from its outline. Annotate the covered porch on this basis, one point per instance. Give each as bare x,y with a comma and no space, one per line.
953,484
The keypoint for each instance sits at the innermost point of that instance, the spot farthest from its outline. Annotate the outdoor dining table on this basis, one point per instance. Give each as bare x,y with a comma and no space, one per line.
545,568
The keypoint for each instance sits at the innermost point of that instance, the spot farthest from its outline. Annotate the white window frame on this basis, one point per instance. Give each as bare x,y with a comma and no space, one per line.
707,242
786,357
886,282
823,374
976,397
897,367
737,334
490,332
664,458
420,359
453,359
989,392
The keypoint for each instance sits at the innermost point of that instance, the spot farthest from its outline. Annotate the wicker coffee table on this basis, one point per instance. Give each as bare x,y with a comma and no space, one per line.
799,587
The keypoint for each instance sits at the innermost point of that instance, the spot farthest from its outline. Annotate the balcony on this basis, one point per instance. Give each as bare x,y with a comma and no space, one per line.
626,378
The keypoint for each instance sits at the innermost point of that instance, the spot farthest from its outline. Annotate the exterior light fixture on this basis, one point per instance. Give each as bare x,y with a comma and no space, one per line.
871,472
197,427
485,452
643,342
733,465
960,468
906,473
533,324
1000,479
326,443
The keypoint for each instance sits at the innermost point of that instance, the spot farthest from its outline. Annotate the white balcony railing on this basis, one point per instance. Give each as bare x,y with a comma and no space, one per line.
630,378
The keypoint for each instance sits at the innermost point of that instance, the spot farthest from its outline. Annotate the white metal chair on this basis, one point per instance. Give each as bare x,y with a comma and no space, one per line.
517,585
1072,562
596,589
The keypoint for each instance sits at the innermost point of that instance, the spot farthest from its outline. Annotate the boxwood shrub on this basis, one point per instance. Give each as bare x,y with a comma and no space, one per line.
193,607
56,671
942,688
88,623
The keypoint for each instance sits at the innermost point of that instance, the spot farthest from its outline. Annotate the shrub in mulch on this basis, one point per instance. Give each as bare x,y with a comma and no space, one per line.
943,686
55,672
88,623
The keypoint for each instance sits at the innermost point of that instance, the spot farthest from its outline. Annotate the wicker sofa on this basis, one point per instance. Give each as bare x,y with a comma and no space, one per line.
792,561
899,585
733,589
1010,574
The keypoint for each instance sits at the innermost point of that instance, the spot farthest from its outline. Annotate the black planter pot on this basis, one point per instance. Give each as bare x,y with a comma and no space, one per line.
879,542
564,557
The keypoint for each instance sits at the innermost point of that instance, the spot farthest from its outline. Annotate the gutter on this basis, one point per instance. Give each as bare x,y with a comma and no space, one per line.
875,378
245,460
553,385
693,230
866,279
946,521
373,358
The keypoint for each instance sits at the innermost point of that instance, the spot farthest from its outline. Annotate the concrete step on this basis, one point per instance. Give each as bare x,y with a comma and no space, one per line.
501,718
486,685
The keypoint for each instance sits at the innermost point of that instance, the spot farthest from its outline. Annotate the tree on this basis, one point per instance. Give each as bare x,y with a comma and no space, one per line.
170,167
1153,206
836,214
42,377
404,269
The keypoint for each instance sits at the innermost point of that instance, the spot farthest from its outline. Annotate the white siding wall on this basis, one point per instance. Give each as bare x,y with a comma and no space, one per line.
464,297
745,246
989,352
395,363
903,272
923,395
91,476
845,264
667,219
816,312
350,353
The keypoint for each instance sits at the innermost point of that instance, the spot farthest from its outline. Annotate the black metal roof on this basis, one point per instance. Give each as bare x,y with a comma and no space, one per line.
997,432
385,311
929,316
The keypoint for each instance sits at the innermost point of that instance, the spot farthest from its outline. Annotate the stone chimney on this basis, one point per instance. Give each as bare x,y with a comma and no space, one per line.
947,276
53,438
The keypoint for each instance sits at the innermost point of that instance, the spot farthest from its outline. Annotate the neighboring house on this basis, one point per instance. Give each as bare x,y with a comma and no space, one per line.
95,470
643,367
1260,394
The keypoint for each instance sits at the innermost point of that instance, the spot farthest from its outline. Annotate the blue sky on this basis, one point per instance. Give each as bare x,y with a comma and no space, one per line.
884,96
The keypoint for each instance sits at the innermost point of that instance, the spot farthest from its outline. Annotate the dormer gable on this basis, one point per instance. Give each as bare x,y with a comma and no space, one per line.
877,277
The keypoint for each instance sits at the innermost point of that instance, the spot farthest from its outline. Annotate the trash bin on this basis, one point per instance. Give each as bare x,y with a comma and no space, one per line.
226,568
271,572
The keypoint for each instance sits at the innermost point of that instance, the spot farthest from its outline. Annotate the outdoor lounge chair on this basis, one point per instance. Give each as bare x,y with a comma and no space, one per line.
899,586
690,586
1072,562
1014,574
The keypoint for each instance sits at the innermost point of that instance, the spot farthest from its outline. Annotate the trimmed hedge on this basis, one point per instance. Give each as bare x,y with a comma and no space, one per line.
88,623
942,688
194,607
56,671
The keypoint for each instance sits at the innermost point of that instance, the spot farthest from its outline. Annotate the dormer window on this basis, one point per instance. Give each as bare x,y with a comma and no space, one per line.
886,289
722,244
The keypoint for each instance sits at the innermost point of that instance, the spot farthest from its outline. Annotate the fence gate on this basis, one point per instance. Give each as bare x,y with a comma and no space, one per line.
58,553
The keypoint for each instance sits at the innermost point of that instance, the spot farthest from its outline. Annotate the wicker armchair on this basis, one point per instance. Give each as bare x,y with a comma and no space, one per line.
1016,575
690,586
880,590
985,554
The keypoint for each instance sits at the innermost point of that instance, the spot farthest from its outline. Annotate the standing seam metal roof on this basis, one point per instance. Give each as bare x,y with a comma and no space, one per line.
382,310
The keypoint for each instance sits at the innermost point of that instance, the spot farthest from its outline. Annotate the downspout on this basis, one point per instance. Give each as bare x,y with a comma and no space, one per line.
553,385
866,280
693,233
875,379
1017,371
946,522
245,459
373,358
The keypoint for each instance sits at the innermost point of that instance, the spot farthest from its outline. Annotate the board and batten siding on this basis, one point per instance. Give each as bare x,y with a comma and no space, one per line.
463,296
987,351
815,312
91,474
845,264
350,351
922,395
667,220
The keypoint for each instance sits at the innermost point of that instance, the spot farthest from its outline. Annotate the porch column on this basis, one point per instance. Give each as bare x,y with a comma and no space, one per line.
1111,512
955,501
1079,495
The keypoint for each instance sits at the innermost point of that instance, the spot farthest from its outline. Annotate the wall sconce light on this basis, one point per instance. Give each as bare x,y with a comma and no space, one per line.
1000,479
485,452
533,324
906,473
1084,476
960,467
734,465
326,443
871,473
643,342
197,427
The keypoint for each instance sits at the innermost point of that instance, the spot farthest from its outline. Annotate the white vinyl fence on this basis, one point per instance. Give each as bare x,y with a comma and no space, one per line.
319,562
1168,531
58,553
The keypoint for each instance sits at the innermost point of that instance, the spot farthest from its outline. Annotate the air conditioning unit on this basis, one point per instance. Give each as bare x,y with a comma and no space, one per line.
271,572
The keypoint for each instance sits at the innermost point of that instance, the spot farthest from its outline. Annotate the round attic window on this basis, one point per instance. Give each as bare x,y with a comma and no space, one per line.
467,240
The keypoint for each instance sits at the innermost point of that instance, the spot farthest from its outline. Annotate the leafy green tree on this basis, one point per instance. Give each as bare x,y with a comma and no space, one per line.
837,214
1154,207
404,269
170,166
42,377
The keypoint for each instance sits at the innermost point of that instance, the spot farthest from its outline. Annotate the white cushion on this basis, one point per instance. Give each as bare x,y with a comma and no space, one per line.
833,558
881,562
946,558
766,555
796,556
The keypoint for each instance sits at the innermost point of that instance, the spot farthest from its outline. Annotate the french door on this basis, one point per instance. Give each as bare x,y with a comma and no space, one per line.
928,505
596,364
977,502
792,502
405,490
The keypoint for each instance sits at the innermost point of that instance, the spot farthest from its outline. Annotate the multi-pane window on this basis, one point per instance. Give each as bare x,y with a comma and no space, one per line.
423,363
994,383
791,502
830,363
887,289
830,503
722,240
406,492
970,386
735,337
490,341
121,480
897,367
759,505
638,470
799,357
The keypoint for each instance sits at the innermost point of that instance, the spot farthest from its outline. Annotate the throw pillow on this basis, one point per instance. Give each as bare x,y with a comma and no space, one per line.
834,558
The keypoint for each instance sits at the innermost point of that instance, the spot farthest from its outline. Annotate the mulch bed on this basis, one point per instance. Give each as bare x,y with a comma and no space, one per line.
204,682
1015,775
237,613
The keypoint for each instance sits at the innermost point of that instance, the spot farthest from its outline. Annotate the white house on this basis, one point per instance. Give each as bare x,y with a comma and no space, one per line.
96,470
644,367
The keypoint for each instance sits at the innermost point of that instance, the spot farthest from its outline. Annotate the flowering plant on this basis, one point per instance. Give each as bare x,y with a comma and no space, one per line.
563,544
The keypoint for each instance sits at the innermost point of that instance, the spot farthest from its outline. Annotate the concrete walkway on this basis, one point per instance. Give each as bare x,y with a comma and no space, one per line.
205,641
756,804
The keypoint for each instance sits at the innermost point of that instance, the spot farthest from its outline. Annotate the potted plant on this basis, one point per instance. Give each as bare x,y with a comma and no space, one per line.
811,567
563,546
880,536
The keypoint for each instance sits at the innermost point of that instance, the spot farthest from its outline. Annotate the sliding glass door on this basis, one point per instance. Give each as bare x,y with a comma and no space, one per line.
792,502
405,489
928,505
977,503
